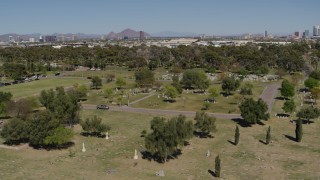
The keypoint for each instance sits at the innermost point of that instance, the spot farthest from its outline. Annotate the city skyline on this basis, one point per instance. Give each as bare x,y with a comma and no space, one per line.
204,17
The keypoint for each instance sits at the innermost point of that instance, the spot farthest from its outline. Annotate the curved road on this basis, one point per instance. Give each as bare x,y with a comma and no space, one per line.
268,95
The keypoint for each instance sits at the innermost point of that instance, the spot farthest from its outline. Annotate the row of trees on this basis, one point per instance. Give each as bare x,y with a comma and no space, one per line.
227,58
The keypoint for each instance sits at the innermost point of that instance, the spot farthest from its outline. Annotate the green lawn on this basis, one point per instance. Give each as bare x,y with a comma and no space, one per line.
251,159
194,102
35,87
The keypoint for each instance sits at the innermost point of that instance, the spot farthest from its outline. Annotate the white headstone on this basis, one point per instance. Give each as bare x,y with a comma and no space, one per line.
107,135
160,173
208,153
135,154
83,148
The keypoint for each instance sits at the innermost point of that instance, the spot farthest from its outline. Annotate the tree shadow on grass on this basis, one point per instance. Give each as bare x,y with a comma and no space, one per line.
5,117
147,155
202,135
49,148
231,142
241,122
211,172
263,142
93,134
290,137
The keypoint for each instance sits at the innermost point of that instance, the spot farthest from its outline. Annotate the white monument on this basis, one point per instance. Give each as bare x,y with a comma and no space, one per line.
135,154
107,135
83,148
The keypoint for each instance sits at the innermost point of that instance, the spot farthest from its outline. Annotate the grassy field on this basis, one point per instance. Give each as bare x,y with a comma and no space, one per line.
35,87
251,159
194,102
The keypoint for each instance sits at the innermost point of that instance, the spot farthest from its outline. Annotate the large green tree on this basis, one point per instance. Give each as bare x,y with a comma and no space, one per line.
254,111
59,137
205,124
166,136
94,126
40,126
287,89
195,78
170,92
120,82
289,106
311,83
230,84
309,113
144,78
14,131
96,82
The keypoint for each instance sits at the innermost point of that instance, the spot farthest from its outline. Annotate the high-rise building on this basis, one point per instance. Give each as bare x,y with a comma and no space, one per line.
32,40
306,34
297,34
142,36
265,34
74,37
316,30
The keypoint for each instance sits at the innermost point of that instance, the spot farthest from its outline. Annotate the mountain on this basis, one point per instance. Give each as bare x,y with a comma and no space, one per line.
173,34
126,33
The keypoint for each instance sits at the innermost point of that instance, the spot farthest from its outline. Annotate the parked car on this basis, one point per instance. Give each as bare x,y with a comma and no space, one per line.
102,106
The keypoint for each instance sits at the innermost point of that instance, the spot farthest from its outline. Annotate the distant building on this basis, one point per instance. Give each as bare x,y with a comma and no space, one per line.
297,34
316,30
49,38
11,39
306,34
265,34
142,36
32,40
74,37
61,38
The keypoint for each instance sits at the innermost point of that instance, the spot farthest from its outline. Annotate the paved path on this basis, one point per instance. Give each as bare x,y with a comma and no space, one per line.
269,94
138,100
14,147
161,111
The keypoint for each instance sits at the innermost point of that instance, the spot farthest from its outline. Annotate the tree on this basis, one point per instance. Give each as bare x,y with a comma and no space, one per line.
110,78
246,89
268,136
194,78
217,166
94,126
144,78
170,92
287,89
80,92
175,83
40,126
315,92
108,93
5,98
21,108
120,82
213,92
298,130
205,124
254,111
14,131
311,83
229,84
206,105
289,106
309,113
166,136
96,82
46,99
59,137
236,136
14,71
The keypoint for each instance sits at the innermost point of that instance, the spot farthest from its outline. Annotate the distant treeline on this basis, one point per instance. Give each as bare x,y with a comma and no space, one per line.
250,57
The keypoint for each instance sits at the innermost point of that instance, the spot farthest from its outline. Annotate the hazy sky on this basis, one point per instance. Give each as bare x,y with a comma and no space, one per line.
218,17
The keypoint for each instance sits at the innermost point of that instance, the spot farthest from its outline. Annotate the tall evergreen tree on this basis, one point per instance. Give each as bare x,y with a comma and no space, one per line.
236,136
268,137
217,166
299,132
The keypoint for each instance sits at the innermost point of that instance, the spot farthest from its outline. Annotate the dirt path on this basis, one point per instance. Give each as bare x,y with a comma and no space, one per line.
138,100
269,94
